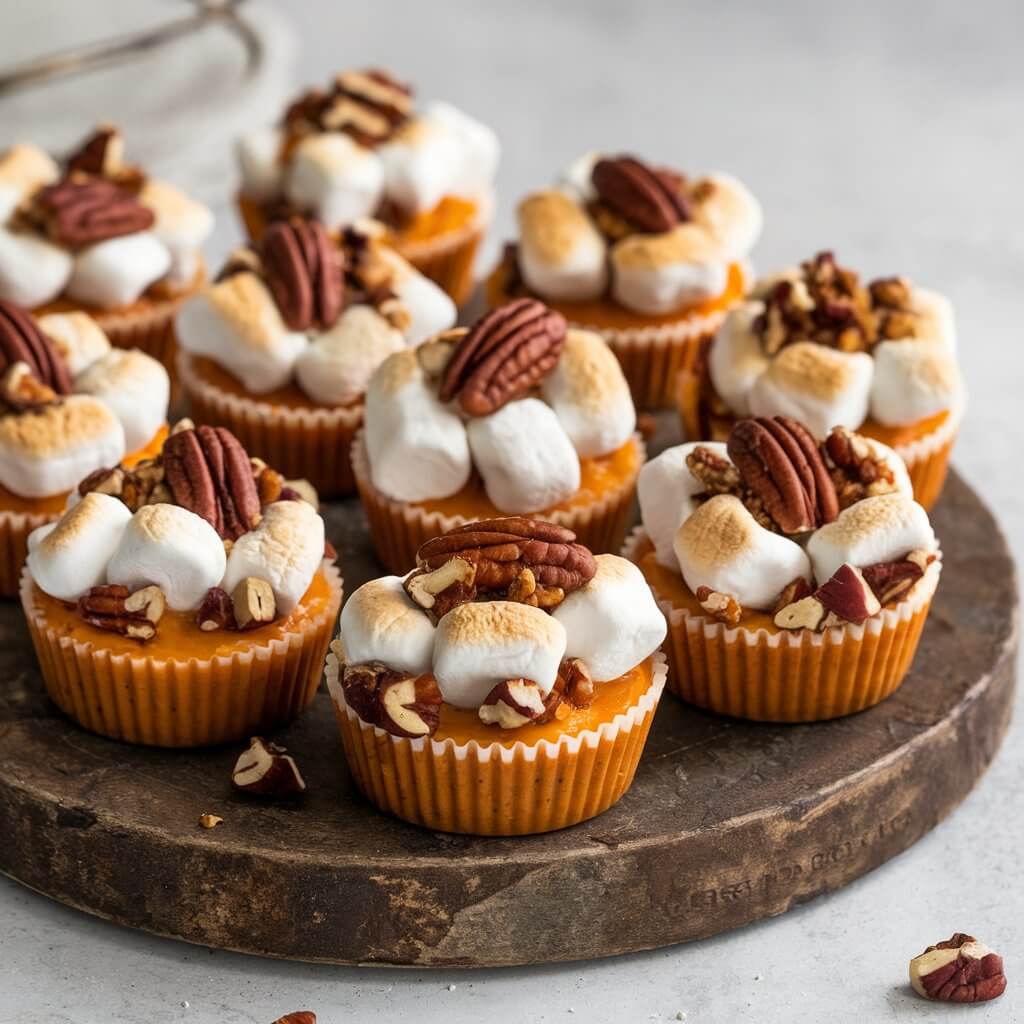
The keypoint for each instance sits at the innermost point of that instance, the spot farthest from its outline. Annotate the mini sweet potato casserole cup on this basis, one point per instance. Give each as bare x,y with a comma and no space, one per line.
361,149
280,347
98,236
517,415
185,602
815,343
643,256
796,577
69,404
506,686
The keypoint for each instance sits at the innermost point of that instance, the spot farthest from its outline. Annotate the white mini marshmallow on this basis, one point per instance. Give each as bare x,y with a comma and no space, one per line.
285,549
182,224
23,169
417,447
116,272
337,366
423,162
935,317
77,337
736,358
613,622
430,308
32,270
524,456
479,149
171,548
576,176
479,645
657,274
50,451
666,489
236,323
731,215
335,178
380,623
821,387
590,396
258,154
720,545
878,529
562,255
914,379
69,556
135,386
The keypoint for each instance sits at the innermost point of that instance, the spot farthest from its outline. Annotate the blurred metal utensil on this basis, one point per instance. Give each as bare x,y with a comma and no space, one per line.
80,59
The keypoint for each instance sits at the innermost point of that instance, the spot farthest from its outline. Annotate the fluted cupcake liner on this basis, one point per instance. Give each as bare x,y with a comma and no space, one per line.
300,443
183,702
448,259
790,676
491,789
398,528
14,530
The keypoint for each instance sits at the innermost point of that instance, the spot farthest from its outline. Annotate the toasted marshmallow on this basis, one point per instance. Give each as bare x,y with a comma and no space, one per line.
23,169
237,324
32,270
337,366
525,457
666,489
655,274
416,445
334,177
380,623
50,451
116,272
731,215
736,358
77,337
480,645
171,548
182,224
819,386
720,545
68,557
423,162
135,386
879,529
478,145
430,308
561,254
612,623
285,549
914,379
258,154
935,317
576,177
590,395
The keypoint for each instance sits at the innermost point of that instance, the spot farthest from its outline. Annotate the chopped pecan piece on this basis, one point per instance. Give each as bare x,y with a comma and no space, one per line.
21,390
512,704
890,581
115,608
266,769
959,970
439,590
398,703
573,689
23,341
216,611
723,607
524,590
253,603
795,591
856,473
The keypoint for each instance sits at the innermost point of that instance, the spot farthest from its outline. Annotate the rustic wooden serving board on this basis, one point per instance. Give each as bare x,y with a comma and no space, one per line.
726,823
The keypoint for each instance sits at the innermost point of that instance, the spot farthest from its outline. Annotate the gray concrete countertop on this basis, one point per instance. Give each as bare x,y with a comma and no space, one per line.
890,133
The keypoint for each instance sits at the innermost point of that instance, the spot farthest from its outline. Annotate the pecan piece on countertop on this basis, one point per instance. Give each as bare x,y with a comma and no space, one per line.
779,461
959,970
119,610
501,549
305,273
265,769
77,212
504,354
209,473
23,341
652,200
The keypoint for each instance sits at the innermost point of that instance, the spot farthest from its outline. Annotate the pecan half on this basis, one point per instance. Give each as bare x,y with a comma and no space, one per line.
651,200
209,473
22,341
505,353
779,461
77,212
115,608
305,273
398,703
501,549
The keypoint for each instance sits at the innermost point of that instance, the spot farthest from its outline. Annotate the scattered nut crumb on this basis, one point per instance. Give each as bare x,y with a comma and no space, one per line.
210,820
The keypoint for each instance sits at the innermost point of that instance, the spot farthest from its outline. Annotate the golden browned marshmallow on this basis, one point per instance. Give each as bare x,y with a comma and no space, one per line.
23,169
730,214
